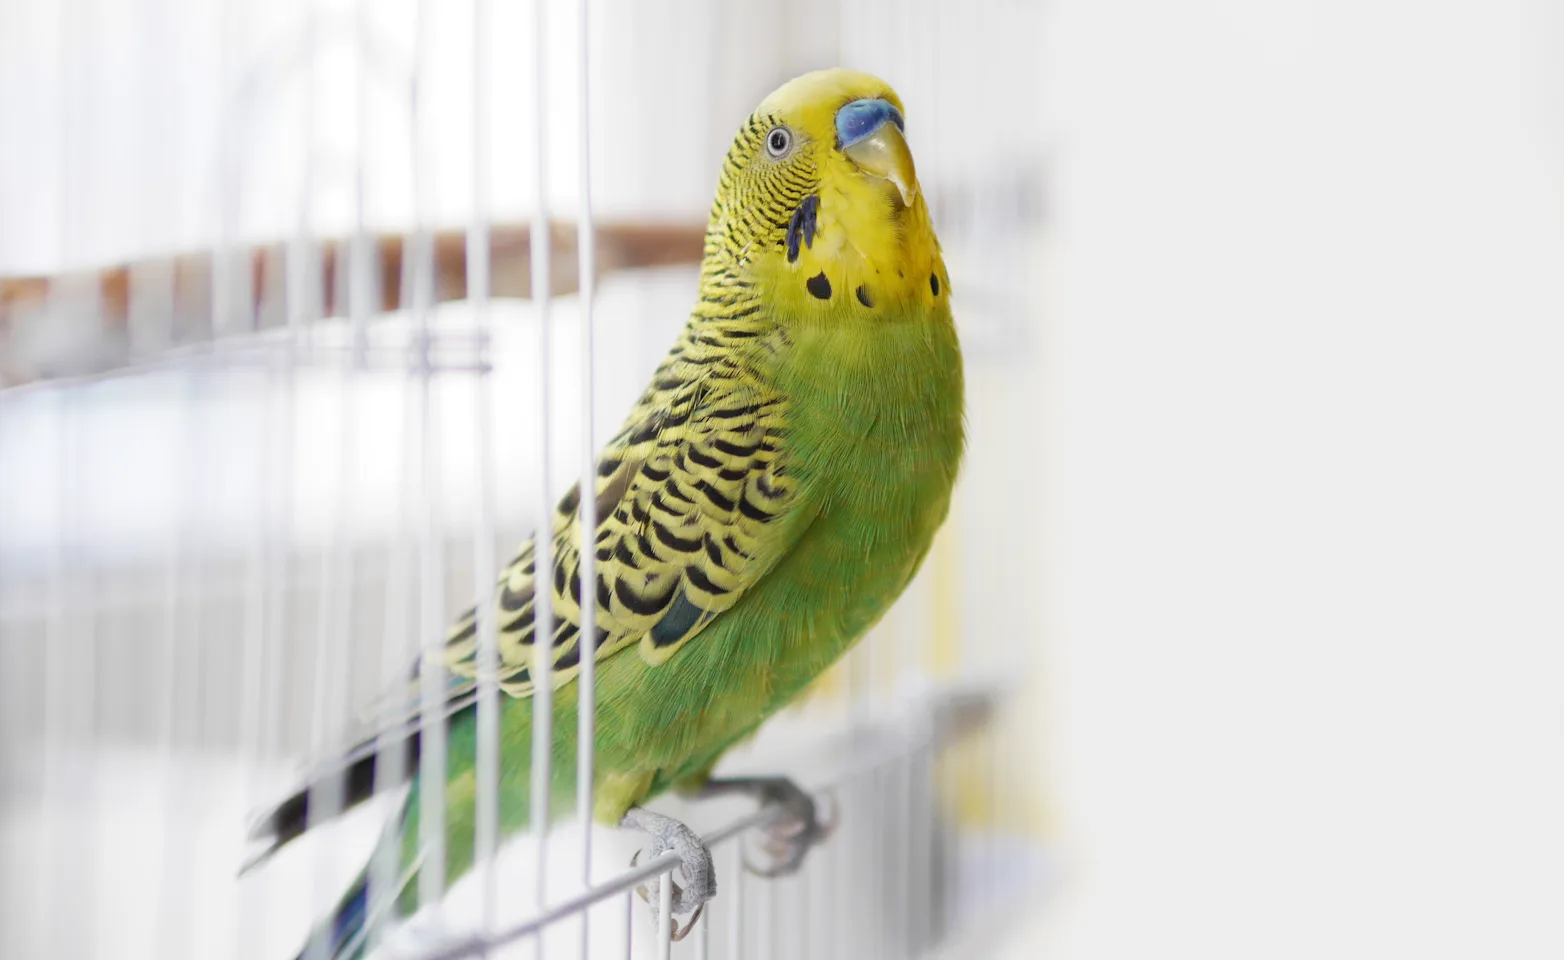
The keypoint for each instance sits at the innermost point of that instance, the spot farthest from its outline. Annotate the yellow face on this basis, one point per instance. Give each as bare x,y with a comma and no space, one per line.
819,199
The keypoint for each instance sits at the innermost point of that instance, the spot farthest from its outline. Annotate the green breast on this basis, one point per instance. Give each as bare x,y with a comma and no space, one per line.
875,435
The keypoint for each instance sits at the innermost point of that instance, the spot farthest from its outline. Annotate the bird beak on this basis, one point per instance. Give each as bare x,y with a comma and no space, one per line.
884,154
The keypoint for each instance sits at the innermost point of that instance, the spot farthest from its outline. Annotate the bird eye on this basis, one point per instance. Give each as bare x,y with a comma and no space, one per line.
779,141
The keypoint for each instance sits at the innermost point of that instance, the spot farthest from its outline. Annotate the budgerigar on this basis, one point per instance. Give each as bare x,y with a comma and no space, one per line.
772,492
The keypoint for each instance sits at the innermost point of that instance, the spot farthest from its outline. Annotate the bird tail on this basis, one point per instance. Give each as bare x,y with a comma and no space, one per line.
288,820
343,934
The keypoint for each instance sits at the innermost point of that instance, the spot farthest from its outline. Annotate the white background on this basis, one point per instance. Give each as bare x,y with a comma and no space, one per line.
1304,434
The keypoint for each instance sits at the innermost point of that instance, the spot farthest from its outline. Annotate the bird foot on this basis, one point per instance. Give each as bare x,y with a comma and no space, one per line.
788,838
695,861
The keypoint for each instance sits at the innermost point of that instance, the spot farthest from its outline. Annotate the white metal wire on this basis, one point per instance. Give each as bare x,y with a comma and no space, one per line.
419,271
541,758
586,265
664,932
736,902
486,814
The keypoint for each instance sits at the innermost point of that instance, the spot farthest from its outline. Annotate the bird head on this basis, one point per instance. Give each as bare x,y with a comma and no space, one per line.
819,191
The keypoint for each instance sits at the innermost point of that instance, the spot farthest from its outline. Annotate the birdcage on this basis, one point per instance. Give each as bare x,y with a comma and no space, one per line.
309,313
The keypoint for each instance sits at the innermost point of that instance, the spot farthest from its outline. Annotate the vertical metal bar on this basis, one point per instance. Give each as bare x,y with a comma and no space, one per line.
995,843
226,284
232,297
166,663
887,835
227,295
703,935
303,302
801,893
486,814
402,640
333,615
302,278
252,656
845,21
63,853
11,702
859,693
665,922
543,554
68,860
827,913
714,16
399,645
629,899
929,146
841,885
736,895
432,760
859,863
766,924
901,847
920,845
361,253
878,864
227,318
586,638
275,577
181,654
431,764
879,860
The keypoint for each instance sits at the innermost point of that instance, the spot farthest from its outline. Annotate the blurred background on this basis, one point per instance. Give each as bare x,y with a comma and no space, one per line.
1263,310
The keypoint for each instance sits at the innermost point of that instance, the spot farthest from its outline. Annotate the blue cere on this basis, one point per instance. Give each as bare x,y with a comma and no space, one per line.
861,118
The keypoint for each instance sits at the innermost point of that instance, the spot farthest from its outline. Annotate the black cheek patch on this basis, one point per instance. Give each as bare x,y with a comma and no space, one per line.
819,286
801,227
863,296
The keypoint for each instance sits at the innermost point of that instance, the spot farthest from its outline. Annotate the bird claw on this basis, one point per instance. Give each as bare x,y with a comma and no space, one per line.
648,891
676,932
798,827
669,835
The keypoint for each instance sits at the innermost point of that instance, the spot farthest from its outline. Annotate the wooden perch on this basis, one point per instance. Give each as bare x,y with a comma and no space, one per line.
64,324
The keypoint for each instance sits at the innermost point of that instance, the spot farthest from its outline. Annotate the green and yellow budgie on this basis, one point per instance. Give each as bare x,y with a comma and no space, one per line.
772,492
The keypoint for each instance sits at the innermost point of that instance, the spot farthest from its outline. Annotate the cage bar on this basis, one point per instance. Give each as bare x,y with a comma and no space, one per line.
486,813
586,678
542,604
